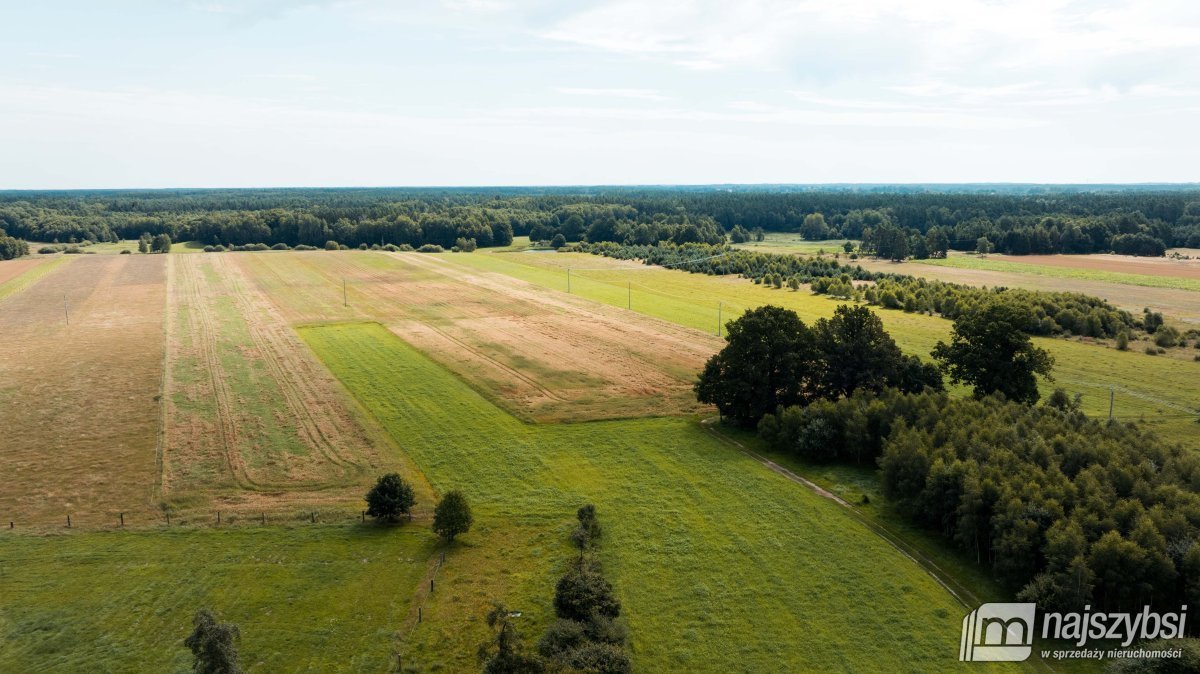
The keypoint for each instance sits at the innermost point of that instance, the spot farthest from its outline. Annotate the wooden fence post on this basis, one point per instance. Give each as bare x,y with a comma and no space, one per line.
68,521
122,519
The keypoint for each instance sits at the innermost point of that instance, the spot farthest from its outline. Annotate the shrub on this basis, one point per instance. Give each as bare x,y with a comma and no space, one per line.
582,593
1123,340
47,250
126,252
375,246
431,248
281,246
362,246
465,245
558,241
209,249
213,645
304,247
1151,350
404,248
331,245
601,658
1166,336
561,638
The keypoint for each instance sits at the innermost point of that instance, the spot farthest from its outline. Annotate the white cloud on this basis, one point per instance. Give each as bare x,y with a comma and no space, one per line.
641,94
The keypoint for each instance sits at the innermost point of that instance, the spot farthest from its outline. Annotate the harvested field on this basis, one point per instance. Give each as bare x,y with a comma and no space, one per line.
543,355
253,421
1124,264
17,275
81,399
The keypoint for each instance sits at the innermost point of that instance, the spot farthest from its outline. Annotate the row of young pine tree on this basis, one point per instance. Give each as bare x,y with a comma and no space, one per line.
1048,313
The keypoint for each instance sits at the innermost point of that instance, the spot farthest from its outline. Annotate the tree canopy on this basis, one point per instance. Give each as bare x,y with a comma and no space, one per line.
390,498
990,352
770,359
452,516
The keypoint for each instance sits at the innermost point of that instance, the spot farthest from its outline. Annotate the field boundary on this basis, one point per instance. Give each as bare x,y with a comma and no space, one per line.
30,276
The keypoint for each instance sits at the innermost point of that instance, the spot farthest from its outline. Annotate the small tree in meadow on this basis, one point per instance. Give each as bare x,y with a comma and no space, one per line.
452,516
213,645
390,498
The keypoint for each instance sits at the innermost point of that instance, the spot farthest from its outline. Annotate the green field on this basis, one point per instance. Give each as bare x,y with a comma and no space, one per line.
313,598
782,242
1158,390
721,564
1146,280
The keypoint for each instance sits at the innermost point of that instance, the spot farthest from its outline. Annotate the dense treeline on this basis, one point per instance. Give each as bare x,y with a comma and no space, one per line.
893,220
1065,510
11,247
772,359
1048,313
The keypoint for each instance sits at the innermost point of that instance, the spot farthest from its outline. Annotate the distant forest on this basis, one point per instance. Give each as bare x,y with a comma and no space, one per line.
893,221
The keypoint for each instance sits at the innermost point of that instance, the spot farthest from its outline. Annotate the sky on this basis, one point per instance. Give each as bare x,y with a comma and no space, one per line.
124,94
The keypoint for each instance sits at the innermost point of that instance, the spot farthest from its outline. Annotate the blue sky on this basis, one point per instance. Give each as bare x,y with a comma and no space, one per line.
499,92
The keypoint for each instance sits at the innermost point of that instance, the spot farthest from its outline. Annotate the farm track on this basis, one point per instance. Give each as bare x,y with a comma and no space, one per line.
206,335
301,396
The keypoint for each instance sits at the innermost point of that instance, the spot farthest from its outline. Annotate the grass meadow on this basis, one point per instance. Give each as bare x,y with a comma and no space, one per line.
313,598
721,564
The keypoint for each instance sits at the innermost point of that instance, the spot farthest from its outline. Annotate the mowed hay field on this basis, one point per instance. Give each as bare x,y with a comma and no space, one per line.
80,428
1160,391
253,421
544,356
721,564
